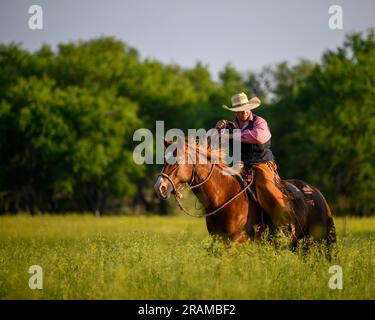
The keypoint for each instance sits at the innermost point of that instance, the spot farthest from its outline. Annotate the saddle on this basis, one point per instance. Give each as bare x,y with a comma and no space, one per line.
293,192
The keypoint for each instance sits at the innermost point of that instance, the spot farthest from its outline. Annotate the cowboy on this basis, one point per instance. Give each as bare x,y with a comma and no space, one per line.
256,154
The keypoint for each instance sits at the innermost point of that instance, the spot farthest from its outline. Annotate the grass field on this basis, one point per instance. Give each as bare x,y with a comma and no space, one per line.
86,257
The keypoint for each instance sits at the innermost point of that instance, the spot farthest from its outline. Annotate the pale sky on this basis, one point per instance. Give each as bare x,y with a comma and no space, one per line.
249,34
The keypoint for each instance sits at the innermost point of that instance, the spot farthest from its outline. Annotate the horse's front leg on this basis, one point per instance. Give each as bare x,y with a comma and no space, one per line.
236,224
238,237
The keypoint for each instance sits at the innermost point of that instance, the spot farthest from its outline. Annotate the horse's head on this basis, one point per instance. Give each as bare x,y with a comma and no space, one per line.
176,171
180,165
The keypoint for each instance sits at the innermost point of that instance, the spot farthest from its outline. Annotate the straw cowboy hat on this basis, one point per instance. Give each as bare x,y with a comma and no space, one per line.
241,103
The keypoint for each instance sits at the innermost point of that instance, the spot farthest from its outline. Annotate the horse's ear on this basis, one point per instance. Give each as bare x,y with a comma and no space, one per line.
167,143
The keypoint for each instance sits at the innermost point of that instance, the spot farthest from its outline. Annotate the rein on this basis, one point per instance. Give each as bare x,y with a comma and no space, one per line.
178,195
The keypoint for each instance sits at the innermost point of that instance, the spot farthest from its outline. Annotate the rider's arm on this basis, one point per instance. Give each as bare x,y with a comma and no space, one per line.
258,135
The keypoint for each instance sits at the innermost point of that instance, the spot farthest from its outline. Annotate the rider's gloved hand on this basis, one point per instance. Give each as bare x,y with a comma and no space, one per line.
221,124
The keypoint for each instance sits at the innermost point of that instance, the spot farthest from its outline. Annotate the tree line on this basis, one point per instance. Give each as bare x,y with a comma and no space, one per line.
67,119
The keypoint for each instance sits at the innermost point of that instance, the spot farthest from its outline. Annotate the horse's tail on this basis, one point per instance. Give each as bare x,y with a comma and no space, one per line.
331,232
331,251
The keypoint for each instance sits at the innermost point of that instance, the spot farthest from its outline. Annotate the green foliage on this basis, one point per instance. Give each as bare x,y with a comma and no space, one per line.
96,64
67,119
325,116
64,141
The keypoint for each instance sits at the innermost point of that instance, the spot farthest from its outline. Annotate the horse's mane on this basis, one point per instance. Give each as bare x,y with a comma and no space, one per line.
214,155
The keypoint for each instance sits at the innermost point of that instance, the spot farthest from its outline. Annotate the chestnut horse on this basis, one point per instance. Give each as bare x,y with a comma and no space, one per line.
232,213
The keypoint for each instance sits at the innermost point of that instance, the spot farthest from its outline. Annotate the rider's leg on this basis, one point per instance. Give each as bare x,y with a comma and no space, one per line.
270,197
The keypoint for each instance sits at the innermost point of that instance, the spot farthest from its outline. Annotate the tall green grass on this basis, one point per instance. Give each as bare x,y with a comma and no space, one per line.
86,257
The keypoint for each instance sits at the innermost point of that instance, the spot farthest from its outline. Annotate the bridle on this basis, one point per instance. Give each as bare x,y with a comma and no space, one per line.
177,191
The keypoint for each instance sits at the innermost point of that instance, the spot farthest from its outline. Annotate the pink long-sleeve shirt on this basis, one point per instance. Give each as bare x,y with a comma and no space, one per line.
258,135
